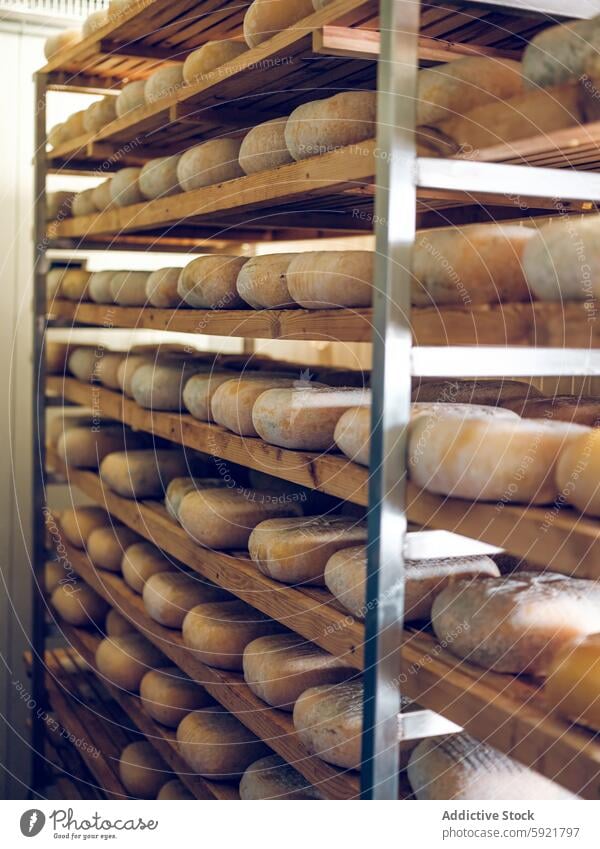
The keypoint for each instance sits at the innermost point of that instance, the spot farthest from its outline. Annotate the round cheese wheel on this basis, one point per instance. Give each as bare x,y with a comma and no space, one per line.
265,18
130,97
262,281
99,287
161,288
517,622
142,770
55,44
323,125
158,177
553,264
64,420
304,418
82,363
578,473
116,625
125,660
477,264
159,386
560,53
78,604
164,82
582,409
273,778
223,518
107,368
106,546
94,22
125,187
280,667
216,745
56,357
199,390
218,632
99,114
102,198
56,134
127,368
85,448
58,205
142,474
53,280
142,560
169,596
173,790
328,721
128,288
264,147
352,434
296,550
462,85
346,579
178,488
487,392
214,161
74,125
211,55
331,279
79,522
83,203
74,283
209,282
168,695
233,401
488,459
54,573
573,681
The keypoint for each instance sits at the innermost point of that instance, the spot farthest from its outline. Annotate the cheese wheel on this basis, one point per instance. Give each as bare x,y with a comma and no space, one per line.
94,22
99,114
54,573
262,281
74,125
161,288
582,409
169,596
116,625
517,622
328,721
106,546
459,767
489,459
125,660
142,474
102,198
168,695
562,260
107,368
127,368
158,177
63,40
79,522
265,18
562,53
78,604
178,488
74,283
56,134
99,287
223,518
216,745
199,390
53,281
82,363
56,355
462,85
233,401
573,681
128,288
85,448
218,632
578,473
477,264
159,386
214,161
296,550
211,55
346,579
304,418
352,434
58,205
130,97
209,282
125,187
142,770
174,790
264,147
280,667
83,203
331,279
323,125
164,82
142,560
273,778
65,419
488,392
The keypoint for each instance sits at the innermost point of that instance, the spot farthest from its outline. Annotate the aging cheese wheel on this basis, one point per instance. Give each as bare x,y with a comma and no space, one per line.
106,546
82,363
125,187
54,573
352,434
459,767
74,283
94,22
65,419
487,392
158,177
56,357
296,550
211,55
280,667
273,778
107,368
209,282
125,660
346,578
164,82
53,280
331,279
85,448
61,41
582,409
233,401
127,368
199,390
553,263
161,288
216,745
174,790
101,197
560,53
517,622
142,560
78,604
74,125
265,18
488,459
142,474
99,114
262,281
169,596
128,288
79,522
83,203
214,161
99,287
178,488
328,720
57,134
304,418
222,518
142,770
264,147
159,386
130,97
323,125
168,695
218,632
578,473
573,682
116,625
477,264
58,205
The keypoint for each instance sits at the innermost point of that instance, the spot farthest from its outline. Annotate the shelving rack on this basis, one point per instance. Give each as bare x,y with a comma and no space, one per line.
337,47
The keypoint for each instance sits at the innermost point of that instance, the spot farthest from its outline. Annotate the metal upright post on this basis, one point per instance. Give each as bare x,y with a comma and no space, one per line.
395,225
